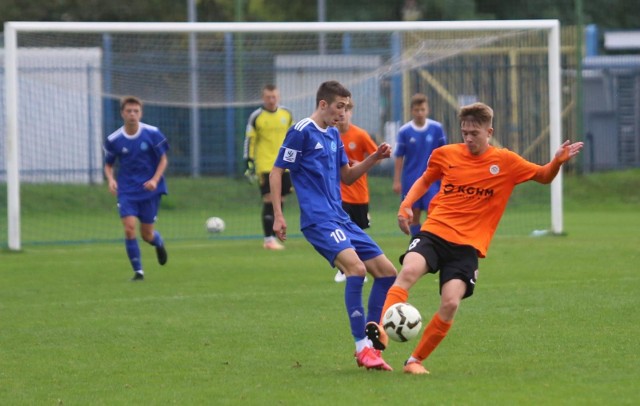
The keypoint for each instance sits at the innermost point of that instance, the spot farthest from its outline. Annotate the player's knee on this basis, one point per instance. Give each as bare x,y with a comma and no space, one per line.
357,269
409,275
130,232
147,236
449,306
385,268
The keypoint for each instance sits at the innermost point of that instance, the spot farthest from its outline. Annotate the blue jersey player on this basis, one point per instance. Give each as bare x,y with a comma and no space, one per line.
141,152
314,154
414,144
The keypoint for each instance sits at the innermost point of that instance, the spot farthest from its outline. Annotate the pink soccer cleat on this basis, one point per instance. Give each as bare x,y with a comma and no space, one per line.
371,359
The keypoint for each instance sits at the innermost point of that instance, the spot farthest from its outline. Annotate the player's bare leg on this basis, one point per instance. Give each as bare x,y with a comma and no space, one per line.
150,235
437,329
270,241
413,267
132,247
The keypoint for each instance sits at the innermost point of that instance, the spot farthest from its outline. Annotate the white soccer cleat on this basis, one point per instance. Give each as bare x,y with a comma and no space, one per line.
273,245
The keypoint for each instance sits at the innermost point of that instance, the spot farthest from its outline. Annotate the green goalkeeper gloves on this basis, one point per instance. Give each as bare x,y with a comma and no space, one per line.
250,172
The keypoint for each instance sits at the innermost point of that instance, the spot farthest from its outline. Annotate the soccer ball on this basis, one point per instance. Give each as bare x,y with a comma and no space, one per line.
215,225
402,322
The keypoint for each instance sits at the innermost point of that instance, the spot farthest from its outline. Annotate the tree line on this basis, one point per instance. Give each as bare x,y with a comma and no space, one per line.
607,14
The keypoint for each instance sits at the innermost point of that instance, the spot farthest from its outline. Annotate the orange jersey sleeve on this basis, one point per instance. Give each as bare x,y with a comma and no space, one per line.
358,145
474,192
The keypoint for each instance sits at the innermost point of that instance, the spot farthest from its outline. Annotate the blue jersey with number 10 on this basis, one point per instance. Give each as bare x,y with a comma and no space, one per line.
314,157
138,156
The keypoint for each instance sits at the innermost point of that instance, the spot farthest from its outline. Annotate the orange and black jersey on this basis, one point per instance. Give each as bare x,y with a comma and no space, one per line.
358,144
474,192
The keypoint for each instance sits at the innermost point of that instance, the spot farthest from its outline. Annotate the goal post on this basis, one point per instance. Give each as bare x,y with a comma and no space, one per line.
381,62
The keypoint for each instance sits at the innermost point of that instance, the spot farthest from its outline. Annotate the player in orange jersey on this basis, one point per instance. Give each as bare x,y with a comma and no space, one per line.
477,180
358,145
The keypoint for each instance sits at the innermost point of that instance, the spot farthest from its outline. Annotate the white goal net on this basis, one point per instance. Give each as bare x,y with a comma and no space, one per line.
200,81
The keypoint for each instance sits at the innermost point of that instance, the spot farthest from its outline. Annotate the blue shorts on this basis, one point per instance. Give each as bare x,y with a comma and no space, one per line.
331,238
145,210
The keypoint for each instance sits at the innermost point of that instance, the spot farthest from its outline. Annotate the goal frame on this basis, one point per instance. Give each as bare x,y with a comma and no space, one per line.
13,28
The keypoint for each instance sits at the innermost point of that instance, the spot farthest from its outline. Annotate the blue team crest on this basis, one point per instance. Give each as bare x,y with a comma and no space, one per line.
429,138
144,146
334,146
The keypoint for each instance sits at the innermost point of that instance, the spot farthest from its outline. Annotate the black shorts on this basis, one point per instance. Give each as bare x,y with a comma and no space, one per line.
453,261
359,213
264,183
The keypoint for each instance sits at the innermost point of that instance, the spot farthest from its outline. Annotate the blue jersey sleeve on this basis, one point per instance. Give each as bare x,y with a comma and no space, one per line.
344,160
160,143
401,145
109,153
291,150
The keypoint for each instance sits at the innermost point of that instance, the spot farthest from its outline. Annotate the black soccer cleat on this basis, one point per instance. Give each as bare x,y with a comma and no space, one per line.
137,277
161,253
377,335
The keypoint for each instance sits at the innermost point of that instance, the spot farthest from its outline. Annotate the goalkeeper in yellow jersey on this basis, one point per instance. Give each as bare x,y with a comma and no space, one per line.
266,129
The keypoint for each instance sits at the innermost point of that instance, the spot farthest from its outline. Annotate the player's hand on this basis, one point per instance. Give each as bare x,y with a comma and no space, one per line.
150,185
405,215
397,187
113,187
568,150
250,172
280,228
384,151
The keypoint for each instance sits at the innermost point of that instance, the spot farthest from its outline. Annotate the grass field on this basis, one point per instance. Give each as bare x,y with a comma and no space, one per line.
72,213
555,320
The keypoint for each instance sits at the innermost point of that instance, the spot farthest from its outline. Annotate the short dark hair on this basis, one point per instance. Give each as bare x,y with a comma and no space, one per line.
129,100
269,88
478,113
418,99
328,91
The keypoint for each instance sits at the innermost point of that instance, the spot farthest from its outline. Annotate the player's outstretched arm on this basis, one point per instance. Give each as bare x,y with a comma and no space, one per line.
568,150
549,171
349,174
275,184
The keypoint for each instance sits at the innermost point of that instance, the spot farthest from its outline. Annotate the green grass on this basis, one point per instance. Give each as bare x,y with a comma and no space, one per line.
54,214
554,321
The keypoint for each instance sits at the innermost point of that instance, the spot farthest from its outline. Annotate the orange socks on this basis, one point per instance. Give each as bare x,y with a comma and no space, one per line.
395,295
435,332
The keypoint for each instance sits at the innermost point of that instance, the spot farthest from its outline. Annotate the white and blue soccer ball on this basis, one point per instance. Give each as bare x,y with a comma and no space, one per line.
402,322
215,225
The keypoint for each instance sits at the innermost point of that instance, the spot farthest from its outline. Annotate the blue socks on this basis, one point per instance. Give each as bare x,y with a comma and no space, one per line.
133,252
377,296
353,303
157,239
